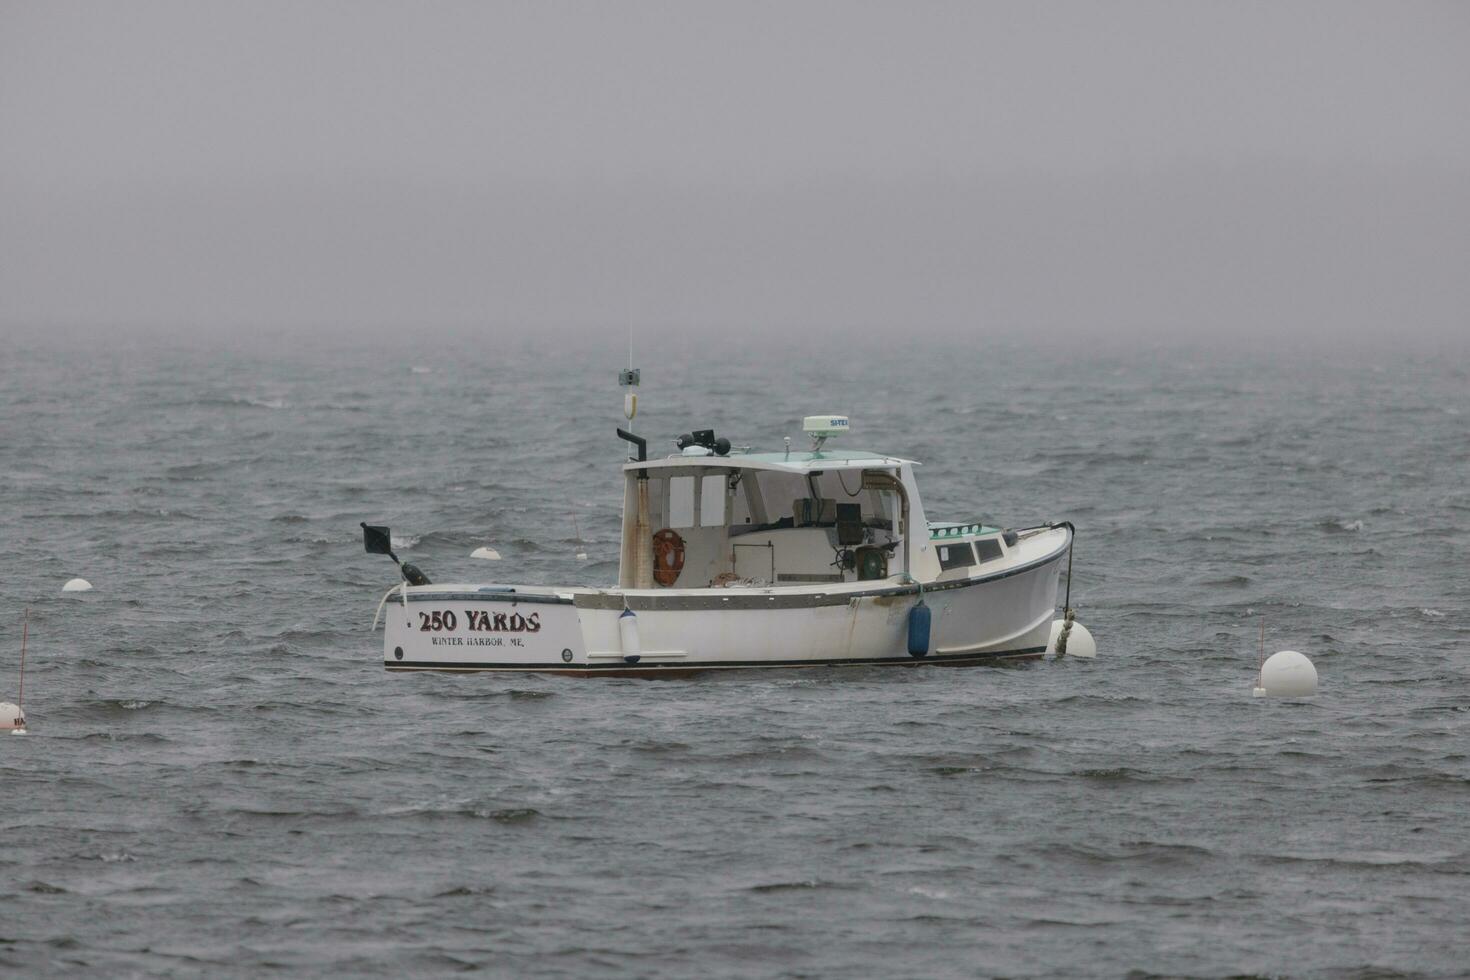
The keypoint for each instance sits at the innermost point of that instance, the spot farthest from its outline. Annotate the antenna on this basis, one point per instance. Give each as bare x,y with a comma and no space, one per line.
581,555
1259,691
25,628
13,716
1261,660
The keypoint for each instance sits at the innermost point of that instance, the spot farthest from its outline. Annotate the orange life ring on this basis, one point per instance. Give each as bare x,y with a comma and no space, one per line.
668,557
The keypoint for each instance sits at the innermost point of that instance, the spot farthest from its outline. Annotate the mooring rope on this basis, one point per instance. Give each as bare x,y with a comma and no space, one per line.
1068,615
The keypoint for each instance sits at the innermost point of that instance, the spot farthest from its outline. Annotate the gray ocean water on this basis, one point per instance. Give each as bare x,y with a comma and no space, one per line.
222,780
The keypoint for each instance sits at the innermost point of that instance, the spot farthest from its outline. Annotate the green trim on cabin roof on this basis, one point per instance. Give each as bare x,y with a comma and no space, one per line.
945,531
834,456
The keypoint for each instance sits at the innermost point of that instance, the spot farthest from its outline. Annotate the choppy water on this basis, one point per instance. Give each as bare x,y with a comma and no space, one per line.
222,779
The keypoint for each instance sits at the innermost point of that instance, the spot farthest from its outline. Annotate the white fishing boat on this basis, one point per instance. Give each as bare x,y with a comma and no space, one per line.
733,559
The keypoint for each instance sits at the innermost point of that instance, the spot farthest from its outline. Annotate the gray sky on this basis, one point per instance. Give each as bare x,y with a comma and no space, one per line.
1007,169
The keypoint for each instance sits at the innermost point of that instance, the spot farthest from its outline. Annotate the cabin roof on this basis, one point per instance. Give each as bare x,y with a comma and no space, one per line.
794,462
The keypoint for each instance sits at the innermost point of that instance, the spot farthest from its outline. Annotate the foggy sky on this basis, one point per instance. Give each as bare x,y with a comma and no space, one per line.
1006,169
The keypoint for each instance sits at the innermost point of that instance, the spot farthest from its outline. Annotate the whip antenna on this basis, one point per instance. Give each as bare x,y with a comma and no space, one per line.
13,716
25,629
1261,657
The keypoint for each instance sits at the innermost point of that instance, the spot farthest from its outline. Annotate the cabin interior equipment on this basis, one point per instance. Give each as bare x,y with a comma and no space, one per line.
705,438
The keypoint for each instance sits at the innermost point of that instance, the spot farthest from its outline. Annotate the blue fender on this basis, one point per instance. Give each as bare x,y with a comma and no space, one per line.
919,630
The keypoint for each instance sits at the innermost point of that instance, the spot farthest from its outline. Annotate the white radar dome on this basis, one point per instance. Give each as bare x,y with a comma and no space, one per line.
1287,674
824,425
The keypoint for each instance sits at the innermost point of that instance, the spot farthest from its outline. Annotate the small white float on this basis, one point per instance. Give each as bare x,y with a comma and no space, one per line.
77,585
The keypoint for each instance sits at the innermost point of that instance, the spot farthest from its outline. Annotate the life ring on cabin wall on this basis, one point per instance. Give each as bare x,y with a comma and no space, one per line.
668,556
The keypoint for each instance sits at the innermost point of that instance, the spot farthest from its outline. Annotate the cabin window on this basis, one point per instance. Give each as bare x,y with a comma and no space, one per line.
880,502
681,501
712,500
989,549
755,504
955,556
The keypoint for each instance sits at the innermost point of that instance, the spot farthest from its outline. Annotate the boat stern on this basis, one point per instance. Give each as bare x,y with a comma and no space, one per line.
481,628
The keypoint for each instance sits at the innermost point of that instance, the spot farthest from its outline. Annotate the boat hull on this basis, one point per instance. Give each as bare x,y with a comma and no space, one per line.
1001,616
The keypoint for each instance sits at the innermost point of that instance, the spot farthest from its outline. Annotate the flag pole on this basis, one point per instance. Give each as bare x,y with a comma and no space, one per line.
25,626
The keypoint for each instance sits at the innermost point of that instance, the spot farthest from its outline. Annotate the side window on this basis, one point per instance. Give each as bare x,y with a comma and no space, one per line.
955,555
681,501
989,549
712,500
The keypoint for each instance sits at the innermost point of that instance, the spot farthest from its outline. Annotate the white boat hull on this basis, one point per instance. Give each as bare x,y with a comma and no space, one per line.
1003,614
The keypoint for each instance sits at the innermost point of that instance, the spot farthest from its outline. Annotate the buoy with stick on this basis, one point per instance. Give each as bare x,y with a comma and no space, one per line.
13,716
581,555
1284,674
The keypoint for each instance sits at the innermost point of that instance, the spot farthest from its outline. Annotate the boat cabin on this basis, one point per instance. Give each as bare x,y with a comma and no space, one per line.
700,520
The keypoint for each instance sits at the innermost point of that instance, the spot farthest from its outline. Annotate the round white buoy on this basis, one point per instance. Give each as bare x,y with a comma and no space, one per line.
1287,674
489,554
12,719
1080,643
77,585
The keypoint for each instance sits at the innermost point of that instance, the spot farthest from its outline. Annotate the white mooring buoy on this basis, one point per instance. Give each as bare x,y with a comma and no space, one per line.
77,585
1286,674
489,554
1079,643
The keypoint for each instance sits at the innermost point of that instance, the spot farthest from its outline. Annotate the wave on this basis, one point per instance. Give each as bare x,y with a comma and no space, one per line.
1116,774
801,885
1347,858
1145,852
45,888
466,891
233,401
1228,582
511,815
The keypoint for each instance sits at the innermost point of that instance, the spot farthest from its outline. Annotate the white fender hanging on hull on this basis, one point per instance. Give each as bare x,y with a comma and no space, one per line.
628,633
